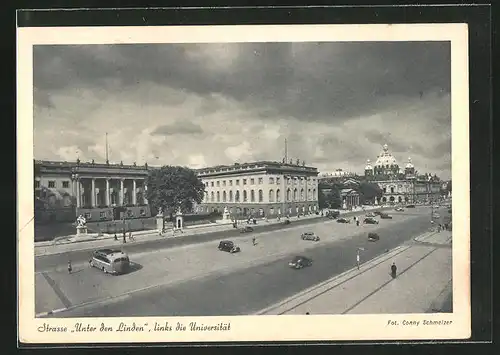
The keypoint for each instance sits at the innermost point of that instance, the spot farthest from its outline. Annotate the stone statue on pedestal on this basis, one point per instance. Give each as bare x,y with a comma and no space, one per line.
225,214
81,225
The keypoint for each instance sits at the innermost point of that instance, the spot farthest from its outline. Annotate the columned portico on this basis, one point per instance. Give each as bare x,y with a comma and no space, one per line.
92,192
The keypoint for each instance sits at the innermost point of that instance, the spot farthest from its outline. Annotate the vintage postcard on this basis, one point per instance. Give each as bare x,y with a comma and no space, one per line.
243,183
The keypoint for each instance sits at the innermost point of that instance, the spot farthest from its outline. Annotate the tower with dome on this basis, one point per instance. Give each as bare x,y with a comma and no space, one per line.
401,185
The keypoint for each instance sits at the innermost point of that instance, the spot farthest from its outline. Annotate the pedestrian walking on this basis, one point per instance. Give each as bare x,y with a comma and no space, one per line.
70,268
130,237
124,237
254,241
394,270
116,238
357,222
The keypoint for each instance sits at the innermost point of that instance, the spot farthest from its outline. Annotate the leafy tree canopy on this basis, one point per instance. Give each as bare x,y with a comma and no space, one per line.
174,187
369,191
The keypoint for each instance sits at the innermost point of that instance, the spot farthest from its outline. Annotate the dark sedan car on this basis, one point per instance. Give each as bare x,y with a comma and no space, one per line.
370,214
373,237
286,221
332,214
246,229
343,220
378,213
399,209
309,236
370,220
410,206
228,246
300,262
385,216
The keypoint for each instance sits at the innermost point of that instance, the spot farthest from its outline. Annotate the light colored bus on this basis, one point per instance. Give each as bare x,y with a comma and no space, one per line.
110,261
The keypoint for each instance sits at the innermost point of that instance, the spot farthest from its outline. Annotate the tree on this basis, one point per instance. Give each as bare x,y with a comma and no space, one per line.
368,191
329,199
174,187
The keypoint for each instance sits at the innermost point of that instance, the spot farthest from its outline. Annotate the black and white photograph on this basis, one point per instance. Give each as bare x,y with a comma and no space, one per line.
196,184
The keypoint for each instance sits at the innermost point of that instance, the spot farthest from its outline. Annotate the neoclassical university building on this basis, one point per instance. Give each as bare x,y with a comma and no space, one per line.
64,190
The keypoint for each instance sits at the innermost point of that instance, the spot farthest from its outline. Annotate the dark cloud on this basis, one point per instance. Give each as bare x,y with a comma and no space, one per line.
180,127
310,81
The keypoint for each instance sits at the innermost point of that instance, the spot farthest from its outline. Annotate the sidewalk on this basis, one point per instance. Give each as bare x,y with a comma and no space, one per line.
422,285
107,240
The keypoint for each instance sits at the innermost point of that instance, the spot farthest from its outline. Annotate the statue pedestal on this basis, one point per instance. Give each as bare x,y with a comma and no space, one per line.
159,222
81,231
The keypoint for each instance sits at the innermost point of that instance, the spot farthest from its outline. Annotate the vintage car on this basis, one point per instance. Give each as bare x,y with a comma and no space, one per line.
410,206
228,246
436,215
385,216
373,237
286,221
343,220
370,214
370,220
332,214
309,236
377,213
246,229
399,209
299,262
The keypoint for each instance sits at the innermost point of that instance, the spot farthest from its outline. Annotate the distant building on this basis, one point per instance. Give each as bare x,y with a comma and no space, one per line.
263,188
400,185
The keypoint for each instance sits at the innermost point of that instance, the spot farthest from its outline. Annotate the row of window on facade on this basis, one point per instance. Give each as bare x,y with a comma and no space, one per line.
252,181
216,197
52,184
252,211
392,189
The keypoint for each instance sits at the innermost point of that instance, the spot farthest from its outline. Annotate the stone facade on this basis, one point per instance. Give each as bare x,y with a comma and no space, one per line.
90,189
260,189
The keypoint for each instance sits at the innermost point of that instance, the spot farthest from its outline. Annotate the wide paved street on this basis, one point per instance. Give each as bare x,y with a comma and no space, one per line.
200,280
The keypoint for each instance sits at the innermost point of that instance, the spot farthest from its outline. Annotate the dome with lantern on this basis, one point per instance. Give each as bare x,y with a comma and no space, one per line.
368,165
385,158
409,165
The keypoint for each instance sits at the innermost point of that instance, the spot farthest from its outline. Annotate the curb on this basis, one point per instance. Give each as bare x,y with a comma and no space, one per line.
43,314
315,217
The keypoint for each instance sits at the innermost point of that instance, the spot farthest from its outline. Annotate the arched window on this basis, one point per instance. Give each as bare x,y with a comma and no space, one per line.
314,197
302,197
295,194
400,199
218,196
278,196
261,196
237,196
309,197
224,196
252,195
392,189
288,195
271,195
244,195
212,196
231,196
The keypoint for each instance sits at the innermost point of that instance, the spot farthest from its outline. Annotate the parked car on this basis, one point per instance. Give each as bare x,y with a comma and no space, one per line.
229,246
370,214
343,220
436,215
399,209
373,237
286,221
299,262
370,220
246,229
410,206
110,261
385,216
377,213
333,214
310,236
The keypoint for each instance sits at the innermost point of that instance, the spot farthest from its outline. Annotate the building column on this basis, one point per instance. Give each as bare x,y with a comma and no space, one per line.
78,193
92,196
134,193
107,193
121,192
144,189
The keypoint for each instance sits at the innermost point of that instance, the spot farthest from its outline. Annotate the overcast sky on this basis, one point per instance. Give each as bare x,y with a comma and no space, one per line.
209,104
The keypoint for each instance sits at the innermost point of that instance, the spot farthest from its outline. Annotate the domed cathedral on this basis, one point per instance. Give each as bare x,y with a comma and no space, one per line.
398,185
